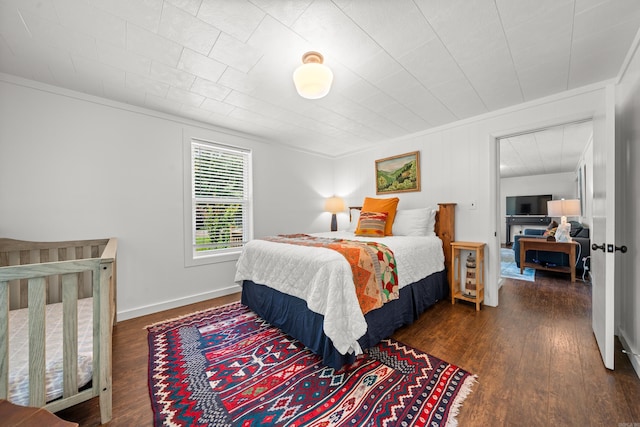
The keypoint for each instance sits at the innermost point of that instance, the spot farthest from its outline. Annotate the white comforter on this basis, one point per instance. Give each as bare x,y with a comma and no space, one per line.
322,277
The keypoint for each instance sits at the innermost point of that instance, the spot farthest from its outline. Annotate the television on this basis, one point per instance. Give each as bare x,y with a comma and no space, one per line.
528,205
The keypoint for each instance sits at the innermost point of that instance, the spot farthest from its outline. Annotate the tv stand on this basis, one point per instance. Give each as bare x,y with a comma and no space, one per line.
524,220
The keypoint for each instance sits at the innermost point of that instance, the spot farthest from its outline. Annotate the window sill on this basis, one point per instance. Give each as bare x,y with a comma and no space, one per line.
212,259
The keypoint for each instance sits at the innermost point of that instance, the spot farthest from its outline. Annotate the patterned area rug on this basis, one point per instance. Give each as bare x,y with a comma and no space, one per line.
510,270
228,367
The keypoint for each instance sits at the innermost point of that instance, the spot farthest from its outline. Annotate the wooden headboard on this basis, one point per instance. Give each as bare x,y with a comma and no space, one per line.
445,230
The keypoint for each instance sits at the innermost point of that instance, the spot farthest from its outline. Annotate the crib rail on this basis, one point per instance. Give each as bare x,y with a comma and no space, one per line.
18,252
46,272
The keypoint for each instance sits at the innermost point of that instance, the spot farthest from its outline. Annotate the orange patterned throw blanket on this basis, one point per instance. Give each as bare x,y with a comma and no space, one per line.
373,265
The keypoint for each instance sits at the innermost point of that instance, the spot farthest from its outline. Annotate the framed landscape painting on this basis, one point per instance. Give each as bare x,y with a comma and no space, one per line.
398,174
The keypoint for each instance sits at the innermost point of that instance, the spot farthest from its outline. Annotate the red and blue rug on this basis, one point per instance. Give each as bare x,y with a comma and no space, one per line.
228,367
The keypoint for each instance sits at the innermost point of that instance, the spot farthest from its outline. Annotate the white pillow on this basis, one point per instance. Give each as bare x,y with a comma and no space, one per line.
415,222
355,217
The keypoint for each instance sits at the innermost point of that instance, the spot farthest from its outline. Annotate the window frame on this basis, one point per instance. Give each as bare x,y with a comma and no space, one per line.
191,257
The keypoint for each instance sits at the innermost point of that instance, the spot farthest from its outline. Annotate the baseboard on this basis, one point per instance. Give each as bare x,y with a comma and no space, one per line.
154,308
635,358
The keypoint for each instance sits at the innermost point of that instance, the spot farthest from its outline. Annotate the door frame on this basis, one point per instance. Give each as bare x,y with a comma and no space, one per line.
494,147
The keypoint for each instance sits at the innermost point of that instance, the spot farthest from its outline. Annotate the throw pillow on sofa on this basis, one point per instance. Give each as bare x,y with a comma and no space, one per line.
551,229
576,228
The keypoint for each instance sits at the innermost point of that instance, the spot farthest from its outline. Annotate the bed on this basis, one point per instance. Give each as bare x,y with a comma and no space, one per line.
57,311
312,299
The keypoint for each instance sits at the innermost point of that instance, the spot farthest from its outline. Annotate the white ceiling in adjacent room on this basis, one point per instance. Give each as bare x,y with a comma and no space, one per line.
554,150
399,66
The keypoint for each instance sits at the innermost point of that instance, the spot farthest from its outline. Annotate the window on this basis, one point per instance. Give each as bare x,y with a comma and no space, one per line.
220,199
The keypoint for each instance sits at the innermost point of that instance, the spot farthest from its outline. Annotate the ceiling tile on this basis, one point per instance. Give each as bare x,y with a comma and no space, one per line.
598,56
216,106
456,21
195,113
499,89
460,98
144,13
242,114
146,85
200,65
153,46
543,79
27,67
604,15
284,11
240,21
89,68
82,83
378,67
210,89
556,51
326,27
373,18
189,6
77,15
170,76
125,94
276,39
178,25
237,80
432,64
41,8
49,33
162,104
233,52
184,97
516,13
12,27
123,59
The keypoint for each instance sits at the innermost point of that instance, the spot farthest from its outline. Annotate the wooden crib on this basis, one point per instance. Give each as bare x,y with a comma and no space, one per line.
36,274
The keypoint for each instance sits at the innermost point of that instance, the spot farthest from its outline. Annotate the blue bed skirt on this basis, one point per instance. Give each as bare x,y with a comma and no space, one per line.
291,315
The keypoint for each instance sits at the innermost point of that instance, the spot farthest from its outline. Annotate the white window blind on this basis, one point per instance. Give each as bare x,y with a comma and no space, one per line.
220,198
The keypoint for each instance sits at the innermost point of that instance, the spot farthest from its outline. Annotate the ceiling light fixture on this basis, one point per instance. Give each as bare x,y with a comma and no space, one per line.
312,79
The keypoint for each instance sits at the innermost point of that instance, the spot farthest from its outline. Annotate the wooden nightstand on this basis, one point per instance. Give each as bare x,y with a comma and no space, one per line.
456,272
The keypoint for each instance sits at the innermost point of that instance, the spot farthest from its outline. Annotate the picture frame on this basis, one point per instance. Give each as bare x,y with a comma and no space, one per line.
398,174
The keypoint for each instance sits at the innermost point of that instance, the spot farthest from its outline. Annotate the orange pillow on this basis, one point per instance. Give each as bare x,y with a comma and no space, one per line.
382,205
371,224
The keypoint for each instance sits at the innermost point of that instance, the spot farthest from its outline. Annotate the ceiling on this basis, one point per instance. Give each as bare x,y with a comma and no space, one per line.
554,150
400,66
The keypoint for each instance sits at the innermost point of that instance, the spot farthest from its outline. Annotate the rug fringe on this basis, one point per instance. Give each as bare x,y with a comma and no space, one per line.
173,319
465,390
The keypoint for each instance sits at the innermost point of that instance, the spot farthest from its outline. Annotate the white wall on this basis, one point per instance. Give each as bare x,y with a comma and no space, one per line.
628,209
78,167
458,164
560,185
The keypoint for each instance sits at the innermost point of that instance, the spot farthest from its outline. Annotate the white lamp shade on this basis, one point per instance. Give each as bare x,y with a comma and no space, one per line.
334,205
312,79
563,208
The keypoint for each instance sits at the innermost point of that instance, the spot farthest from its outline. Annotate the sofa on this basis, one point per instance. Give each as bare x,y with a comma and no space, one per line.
579,233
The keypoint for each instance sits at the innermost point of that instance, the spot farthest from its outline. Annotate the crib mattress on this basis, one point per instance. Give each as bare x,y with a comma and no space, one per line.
19,350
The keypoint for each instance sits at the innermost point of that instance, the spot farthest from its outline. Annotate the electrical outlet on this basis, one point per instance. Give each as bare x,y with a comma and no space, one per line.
473,205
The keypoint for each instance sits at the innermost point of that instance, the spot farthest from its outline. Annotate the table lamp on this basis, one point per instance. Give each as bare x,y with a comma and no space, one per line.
563,208
334,205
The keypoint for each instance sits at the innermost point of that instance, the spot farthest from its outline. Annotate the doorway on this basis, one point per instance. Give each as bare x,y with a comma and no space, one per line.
556,161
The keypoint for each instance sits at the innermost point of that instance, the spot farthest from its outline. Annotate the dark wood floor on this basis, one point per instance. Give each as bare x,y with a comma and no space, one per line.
535,357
